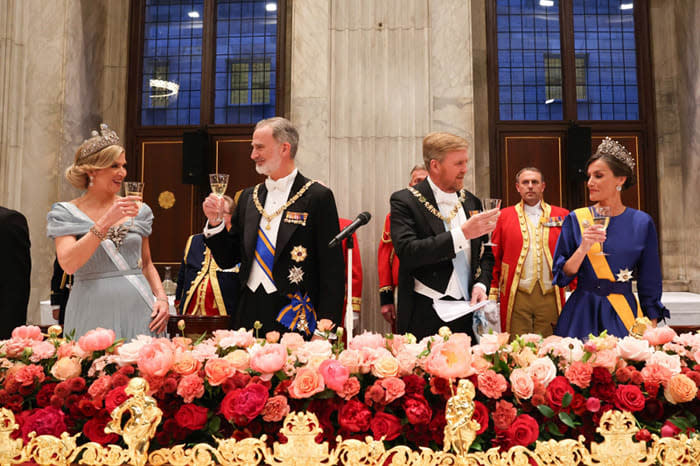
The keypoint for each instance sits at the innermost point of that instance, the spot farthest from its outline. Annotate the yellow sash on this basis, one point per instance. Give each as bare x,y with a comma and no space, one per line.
603,272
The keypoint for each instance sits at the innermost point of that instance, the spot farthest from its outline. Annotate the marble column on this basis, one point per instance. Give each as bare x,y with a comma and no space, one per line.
63,71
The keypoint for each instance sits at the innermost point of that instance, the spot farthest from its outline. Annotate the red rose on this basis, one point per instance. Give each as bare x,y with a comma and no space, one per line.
643,436
242,405
354,416
481,415
415,384
76,384
94,429
603,391
601,375
523,431
629,398
417,410
578,404
44,421
653,410
114,398
441,386
556,390
437,427
87,407
385,425
191,416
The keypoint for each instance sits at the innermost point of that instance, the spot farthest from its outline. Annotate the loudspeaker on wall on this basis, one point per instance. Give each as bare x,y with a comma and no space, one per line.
578,150
195,153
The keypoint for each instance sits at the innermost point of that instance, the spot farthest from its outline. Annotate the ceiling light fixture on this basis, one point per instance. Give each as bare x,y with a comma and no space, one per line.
271,6
193,14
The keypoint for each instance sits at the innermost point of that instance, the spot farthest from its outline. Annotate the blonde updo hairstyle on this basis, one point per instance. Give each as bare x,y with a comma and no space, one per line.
77,174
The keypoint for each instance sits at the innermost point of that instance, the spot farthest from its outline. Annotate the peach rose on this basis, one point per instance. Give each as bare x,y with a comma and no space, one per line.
334,373
183,343
407,362
66,368
521,384
394,388
156,358
318,348
240,338
292,341
531,338
492,342
351,388
351,359
450,359
385,366
269,359
367,340
27,332
680,389
240,359
218,370
325,325
634,349
205,350
190,387
272,337
480,364
128,353
524,357
659,335
275,409
185,363
606,358
579,373
542,370
492,384
306,383
670,361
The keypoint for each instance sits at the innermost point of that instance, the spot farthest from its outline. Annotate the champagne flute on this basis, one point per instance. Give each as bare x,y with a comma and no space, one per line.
219,183
490,204
134,188
601,216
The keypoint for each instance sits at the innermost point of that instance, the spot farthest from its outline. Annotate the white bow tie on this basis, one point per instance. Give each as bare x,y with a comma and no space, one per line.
272,185
446,198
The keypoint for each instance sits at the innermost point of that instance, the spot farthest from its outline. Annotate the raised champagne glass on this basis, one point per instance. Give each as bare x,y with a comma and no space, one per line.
601,216
490,204
219,183
134,188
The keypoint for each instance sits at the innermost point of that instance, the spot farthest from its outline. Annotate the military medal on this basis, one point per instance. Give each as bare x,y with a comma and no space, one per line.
624,275
296,275
298,253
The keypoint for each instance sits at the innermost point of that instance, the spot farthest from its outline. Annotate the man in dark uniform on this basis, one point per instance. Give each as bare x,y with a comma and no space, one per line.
15,272
280,232
442,272
203,288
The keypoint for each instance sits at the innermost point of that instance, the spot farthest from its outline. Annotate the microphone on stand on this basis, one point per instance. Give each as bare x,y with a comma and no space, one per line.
361,219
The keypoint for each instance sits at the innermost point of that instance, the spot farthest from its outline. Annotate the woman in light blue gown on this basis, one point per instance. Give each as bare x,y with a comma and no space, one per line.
603,299
102,239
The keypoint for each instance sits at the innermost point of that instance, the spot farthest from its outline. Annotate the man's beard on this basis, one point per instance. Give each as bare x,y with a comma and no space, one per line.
270,166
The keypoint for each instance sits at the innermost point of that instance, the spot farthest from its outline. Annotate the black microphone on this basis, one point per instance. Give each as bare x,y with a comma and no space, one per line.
361,219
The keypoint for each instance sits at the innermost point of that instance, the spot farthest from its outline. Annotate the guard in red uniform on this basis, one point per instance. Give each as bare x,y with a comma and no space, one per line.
388,263
525,237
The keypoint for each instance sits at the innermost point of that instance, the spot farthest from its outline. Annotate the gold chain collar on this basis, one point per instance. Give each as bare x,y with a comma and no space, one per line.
434,211
291,201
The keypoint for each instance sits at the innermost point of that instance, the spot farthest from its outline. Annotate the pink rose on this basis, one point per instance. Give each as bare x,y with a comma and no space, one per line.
531,338
492,342
670,361
325,325
367,340
316,349
218,370
275,409
185,363
99,388
292,341
492,384
334,374
579,373
450,359
351,388
634,349
407,362
42,350
272,337
306,383
659,335
521,384
66,368
156,358
128,353
606,358
394,388
542,370
385,366
351,360
239,359
593,404
240,338
98,339
27,332
190,387
269,359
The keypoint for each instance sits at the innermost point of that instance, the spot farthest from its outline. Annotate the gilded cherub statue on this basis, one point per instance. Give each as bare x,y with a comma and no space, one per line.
460,430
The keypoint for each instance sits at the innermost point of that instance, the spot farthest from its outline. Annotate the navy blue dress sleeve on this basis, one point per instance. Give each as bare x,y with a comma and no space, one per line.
566,245
649,281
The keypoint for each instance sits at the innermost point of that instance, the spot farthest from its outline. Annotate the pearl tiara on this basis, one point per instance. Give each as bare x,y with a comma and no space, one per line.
617,150
98,141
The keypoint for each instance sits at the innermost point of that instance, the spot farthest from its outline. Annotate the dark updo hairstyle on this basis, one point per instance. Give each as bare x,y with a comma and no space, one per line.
615,156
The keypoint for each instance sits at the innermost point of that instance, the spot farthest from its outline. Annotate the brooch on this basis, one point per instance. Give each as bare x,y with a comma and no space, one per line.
624,275
296,275
117,234
298,253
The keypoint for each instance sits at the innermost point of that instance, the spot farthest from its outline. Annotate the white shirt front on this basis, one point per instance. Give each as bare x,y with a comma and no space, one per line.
278,192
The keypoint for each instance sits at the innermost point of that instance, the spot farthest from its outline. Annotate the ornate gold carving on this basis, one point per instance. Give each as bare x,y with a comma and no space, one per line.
301,429
166,200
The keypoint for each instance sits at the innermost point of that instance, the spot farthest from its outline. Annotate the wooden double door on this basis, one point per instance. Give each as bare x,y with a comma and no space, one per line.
177,206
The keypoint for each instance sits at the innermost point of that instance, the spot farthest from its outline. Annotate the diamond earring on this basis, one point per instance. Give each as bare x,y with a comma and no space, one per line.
92,179
619,188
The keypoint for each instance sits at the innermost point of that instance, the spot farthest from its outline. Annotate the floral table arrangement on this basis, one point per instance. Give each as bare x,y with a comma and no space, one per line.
392,388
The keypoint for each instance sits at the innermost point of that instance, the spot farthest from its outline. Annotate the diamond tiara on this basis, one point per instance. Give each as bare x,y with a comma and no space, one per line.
617,150
98,141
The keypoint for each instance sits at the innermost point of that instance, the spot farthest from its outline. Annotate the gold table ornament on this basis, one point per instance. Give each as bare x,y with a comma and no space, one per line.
301,429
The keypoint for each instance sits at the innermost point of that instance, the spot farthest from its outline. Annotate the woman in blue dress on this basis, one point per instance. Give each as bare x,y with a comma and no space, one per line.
102,239
603,299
